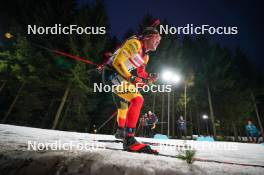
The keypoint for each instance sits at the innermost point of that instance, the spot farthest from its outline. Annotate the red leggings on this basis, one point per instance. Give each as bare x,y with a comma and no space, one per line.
134,111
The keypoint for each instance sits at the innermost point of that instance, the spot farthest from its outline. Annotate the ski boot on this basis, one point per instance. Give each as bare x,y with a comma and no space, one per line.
132,145
120,133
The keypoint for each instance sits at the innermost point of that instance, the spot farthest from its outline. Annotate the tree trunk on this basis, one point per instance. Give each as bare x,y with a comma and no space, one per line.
173,114
3,85
191,123
13,103
64,115
211,110
44,120
198,128
257,113
185,101
198,122
239,134
154,101
64,98
162,113
235,132
168,130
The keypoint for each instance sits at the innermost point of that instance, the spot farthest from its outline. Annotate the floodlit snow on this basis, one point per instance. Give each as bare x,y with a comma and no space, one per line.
15,158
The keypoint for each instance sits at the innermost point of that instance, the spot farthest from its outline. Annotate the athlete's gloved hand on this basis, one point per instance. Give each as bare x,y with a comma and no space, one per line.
139,82
135,80
152,78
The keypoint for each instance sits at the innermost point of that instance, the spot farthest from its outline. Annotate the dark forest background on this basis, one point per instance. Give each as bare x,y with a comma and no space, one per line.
41,89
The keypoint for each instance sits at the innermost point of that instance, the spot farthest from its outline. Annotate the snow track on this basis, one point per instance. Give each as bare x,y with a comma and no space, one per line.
15,158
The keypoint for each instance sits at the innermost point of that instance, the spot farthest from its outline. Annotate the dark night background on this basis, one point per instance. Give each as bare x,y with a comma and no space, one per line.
247,15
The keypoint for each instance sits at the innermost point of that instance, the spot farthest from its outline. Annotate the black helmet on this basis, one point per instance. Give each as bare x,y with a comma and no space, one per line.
149,31
152,29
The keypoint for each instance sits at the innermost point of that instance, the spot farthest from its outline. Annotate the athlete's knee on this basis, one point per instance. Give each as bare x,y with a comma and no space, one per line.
139,100
123,105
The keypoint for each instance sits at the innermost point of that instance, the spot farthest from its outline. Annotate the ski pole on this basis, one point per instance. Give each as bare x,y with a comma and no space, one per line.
58,52
102,125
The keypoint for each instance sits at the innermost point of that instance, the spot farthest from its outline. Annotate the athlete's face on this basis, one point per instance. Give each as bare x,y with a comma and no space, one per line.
152,42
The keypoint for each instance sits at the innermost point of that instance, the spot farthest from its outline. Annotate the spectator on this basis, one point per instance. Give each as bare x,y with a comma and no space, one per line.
150,124
252,132
143,124
181,125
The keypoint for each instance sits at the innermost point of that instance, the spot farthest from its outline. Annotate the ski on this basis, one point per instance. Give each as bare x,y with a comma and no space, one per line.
120,149
110,141
148,143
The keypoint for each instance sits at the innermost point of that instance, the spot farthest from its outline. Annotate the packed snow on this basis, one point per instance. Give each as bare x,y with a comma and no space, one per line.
26,150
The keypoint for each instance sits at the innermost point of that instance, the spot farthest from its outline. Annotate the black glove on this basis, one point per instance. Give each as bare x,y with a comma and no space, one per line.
153,77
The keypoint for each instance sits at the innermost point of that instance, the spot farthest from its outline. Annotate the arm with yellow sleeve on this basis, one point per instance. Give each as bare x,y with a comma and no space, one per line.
130,47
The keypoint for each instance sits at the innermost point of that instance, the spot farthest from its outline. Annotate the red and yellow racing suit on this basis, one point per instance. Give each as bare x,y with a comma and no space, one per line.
128,57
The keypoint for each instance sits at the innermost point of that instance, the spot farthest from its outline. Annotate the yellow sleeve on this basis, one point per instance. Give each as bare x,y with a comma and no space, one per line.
130,47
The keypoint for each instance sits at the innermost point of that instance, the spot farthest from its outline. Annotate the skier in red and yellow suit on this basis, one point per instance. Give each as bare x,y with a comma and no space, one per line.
130,56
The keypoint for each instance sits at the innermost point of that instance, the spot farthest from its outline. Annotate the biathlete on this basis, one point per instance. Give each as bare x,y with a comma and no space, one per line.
132,55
